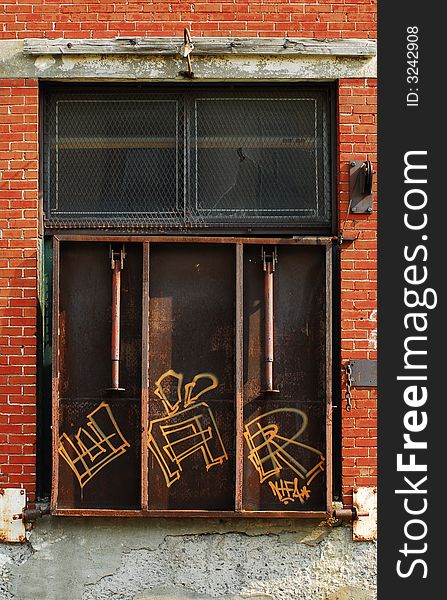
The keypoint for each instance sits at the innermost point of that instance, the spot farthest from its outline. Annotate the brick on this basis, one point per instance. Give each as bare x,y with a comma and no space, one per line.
18,187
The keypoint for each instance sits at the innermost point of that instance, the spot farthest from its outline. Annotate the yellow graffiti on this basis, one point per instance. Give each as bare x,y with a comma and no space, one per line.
169,388
288,490
94,448
270,453
187,427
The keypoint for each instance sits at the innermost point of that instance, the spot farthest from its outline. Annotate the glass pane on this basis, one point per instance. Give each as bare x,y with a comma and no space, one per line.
112,160
187,158
261,159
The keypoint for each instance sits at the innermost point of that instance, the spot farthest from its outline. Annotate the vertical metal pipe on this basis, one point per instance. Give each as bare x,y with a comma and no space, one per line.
269,262
117,264
116,309
268,294
239,379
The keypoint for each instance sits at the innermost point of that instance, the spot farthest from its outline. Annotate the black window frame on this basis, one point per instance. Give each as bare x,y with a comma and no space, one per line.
191,91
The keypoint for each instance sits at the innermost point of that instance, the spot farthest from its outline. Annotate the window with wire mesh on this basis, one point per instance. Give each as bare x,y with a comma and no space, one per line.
201,157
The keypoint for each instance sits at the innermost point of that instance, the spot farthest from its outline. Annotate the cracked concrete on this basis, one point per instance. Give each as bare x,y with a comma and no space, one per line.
187,559
11,555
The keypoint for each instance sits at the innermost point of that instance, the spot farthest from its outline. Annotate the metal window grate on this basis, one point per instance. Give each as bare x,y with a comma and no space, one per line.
190,159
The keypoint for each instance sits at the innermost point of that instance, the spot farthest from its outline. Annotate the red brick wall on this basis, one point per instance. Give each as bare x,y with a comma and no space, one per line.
357,141
18,279
19,192
100,18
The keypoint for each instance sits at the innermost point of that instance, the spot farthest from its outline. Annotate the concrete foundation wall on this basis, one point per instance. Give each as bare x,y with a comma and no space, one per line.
154,559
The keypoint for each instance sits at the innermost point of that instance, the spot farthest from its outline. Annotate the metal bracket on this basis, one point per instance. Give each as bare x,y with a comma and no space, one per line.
185,50
360,186
269,256
362,514
117,254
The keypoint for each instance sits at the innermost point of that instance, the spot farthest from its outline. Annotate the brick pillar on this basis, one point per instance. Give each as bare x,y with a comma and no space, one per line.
18,282
357,141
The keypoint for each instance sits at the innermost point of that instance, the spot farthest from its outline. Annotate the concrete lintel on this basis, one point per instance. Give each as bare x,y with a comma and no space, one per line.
14,63
204,45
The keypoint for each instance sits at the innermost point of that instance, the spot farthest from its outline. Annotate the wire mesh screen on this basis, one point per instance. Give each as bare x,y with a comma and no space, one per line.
113,161
189,159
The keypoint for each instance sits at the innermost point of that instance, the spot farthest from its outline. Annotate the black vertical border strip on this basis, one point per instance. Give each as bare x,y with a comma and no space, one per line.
336,297
336,378
43,327
404,129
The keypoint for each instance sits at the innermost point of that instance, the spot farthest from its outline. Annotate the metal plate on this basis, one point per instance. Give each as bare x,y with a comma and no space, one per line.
12,503
365,501
190,320
364,373
99,464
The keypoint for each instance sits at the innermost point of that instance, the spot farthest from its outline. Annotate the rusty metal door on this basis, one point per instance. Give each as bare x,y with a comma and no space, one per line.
222,397
97,453
284,429
191,377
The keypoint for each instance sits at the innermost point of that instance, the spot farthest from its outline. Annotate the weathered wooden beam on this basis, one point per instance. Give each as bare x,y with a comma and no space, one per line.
203,46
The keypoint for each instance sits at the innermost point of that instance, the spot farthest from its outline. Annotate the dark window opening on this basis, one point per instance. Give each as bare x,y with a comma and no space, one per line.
196,158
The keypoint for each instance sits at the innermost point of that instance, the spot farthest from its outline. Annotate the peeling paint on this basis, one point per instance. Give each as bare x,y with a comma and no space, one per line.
14,63
12,526
42,63
372,337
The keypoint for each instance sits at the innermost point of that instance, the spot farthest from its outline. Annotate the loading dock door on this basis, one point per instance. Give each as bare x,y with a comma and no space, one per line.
196,428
